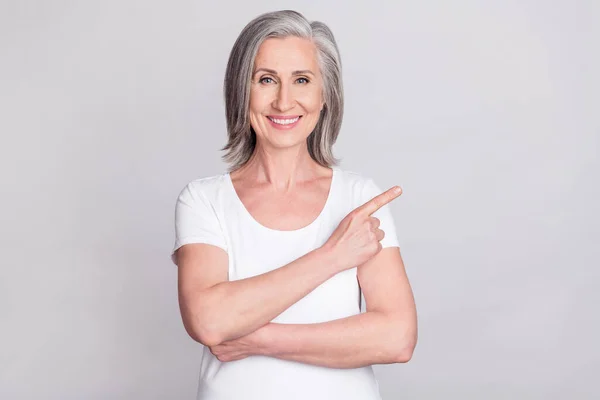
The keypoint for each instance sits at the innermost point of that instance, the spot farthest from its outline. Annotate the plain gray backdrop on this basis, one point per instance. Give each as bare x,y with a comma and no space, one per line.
485,112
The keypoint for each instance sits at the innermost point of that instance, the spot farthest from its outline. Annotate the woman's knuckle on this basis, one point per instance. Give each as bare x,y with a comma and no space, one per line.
353,215
372,236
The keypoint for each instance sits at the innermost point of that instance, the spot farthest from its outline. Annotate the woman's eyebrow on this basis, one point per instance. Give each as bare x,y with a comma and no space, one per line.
272,71
303,72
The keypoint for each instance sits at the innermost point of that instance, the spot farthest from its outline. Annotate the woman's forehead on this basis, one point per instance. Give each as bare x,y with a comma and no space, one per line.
286,54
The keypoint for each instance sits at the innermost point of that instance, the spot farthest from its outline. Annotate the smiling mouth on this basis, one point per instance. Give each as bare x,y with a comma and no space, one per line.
284,121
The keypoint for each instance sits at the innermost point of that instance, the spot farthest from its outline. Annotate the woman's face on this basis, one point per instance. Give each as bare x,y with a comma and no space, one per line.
286,94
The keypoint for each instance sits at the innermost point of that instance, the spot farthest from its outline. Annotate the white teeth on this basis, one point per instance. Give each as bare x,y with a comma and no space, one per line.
284,121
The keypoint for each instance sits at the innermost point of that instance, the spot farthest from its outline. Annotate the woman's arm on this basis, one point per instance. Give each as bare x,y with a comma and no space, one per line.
215,310
357,341
386,333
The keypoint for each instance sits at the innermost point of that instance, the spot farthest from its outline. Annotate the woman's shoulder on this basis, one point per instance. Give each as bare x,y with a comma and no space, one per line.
207,185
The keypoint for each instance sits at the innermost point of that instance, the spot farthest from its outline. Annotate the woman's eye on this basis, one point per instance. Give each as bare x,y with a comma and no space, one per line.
268,80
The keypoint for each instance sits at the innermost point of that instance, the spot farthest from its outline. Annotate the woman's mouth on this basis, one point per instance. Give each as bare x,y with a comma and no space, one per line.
284,122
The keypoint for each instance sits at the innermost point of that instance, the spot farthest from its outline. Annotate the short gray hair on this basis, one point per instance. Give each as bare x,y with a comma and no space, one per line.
242,138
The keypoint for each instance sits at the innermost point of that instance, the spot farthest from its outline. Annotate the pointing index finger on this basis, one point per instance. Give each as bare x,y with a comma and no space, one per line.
380,200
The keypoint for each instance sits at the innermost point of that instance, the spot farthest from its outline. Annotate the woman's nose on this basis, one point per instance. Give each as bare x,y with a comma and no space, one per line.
284,100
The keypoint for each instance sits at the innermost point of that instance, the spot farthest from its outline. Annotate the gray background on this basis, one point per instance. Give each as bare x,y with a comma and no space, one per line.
486,113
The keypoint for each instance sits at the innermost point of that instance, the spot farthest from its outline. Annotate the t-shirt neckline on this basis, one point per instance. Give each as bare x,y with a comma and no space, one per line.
283,232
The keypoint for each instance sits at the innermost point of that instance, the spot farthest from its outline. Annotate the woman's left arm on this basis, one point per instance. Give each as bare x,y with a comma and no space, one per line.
386,333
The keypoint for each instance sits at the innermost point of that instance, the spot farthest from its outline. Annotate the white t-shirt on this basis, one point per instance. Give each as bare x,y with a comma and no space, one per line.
208,210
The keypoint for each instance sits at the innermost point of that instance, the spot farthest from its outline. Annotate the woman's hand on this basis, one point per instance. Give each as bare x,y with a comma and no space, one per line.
356,239
249,345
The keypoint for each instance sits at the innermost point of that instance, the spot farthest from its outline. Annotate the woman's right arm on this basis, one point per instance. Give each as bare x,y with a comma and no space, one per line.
215,310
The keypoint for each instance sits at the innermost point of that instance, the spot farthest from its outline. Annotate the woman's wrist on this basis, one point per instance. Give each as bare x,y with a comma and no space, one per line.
264,340
328,259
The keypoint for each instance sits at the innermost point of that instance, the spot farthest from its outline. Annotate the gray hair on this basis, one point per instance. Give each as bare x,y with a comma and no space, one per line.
242,138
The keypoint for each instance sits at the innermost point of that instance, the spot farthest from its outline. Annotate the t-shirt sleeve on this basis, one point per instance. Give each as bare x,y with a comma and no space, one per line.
196,220
384,214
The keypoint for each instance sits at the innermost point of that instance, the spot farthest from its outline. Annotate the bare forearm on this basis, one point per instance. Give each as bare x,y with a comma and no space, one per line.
352,342
235,308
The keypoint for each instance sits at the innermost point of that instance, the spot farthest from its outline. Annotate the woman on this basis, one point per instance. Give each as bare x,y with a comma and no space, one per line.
273,255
